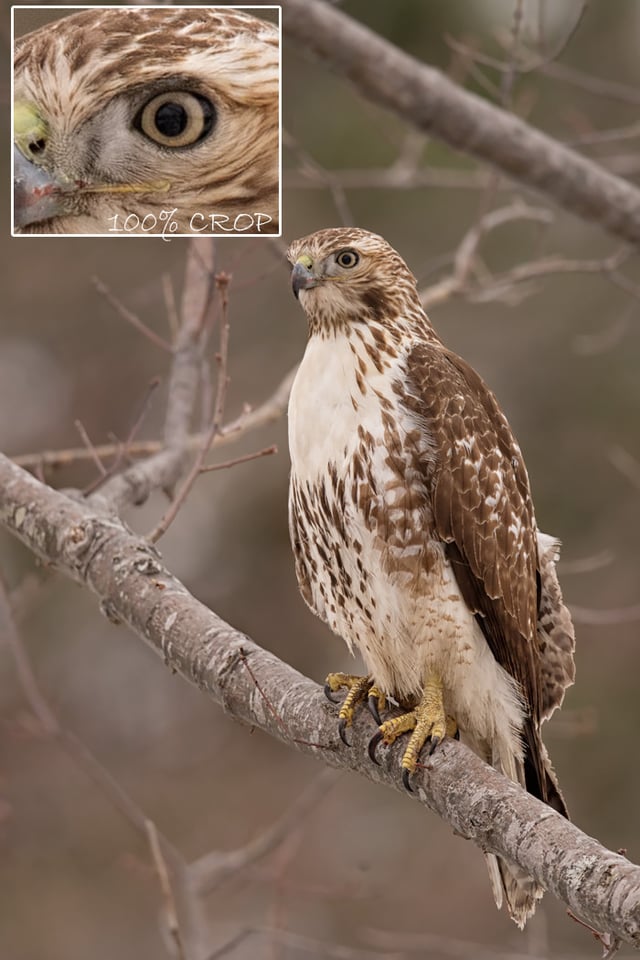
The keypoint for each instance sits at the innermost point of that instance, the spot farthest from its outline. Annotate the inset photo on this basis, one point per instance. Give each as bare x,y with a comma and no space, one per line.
142,121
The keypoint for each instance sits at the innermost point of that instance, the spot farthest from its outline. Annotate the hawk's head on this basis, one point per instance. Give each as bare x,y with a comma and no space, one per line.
132,111
346,276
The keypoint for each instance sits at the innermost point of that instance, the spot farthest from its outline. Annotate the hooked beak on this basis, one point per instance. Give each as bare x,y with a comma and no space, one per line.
301,276
36,194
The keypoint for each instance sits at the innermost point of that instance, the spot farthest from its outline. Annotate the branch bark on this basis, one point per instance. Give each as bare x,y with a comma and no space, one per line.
428,99
134,587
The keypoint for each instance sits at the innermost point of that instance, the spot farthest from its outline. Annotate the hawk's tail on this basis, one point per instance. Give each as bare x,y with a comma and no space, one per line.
513,886
510,883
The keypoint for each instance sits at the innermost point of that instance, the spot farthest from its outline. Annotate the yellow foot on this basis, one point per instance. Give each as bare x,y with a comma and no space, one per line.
358,689
427,721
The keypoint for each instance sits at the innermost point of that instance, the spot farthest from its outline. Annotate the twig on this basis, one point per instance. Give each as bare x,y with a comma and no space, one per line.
596,85
170,909
300,942
162,470
123,449
222,283
130,317
323,176
51,726
503,285
268,412
170,305
265,452
214,868
78,424
457,281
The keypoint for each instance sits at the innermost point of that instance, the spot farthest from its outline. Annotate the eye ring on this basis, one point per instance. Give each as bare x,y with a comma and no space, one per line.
176,118
347,258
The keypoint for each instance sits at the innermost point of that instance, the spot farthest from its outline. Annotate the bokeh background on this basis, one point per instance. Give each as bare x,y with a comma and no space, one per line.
364,873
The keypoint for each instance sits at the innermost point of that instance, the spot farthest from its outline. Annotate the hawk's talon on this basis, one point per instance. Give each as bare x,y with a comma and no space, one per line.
373,743
433,743
343,723
328,692
372,703
406,778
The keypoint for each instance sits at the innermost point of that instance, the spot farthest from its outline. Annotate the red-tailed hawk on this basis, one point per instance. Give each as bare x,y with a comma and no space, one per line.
148,120
413,528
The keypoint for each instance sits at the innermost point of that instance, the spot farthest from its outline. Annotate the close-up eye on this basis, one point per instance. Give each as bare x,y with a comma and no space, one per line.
176,118
347,258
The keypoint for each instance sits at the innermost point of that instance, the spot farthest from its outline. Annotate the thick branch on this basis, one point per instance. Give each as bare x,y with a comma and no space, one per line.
466,122
252,685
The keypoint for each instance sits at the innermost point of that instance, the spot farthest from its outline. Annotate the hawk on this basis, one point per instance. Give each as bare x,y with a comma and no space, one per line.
413,528
129,119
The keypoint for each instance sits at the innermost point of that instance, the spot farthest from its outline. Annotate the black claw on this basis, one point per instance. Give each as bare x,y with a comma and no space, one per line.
406,777
373,743
372,703
456,735
342,730
433,743
328,692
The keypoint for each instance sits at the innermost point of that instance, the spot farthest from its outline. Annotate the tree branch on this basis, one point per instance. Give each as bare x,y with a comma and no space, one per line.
252,685
427,98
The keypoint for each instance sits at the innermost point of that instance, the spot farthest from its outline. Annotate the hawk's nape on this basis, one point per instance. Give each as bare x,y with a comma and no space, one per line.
148,120
414,532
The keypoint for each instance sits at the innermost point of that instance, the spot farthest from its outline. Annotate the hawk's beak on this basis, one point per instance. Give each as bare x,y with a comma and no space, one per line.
36,194
301,276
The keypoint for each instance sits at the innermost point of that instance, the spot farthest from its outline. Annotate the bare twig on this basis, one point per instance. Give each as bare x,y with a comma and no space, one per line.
268,412
170,909
91,450
222,283
162,470
123,449
225,465
214,868
130,317
323,176
457,282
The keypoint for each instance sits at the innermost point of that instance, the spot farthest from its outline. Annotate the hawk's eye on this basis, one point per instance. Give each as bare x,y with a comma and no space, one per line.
347,258
176,119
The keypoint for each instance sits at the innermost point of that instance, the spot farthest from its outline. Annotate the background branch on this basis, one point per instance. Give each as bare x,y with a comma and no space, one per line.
427,98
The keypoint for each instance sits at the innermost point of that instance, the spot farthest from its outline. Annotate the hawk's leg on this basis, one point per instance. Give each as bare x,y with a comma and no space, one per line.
427,721
358,689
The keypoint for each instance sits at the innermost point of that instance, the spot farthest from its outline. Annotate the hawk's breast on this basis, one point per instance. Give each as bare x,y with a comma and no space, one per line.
367,558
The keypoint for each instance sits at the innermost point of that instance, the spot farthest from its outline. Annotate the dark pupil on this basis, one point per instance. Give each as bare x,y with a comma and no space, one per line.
171,119
346,259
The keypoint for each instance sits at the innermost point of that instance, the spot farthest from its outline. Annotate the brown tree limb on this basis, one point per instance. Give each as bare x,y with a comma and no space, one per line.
427,98
252,685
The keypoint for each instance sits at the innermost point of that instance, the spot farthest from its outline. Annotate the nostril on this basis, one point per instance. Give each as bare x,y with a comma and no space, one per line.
37,146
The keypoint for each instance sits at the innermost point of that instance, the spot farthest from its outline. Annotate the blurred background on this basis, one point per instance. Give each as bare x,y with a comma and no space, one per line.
363,873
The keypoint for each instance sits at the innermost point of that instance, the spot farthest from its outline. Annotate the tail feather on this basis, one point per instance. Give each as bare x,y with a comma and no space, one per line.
511,885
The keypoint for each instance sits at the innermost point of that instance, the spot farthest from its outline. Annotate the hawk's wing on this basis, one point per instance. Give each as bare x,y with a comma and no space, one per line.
483,512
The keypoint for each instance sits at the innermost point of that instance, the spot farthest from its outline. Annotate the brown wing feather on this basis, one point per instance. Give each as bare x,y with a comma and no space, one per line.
483,511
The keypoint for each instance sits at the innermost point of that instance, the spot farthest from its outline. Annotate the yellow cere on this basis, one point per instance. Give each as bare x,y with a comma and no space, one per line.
305,260
28,126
